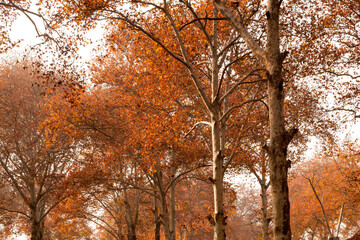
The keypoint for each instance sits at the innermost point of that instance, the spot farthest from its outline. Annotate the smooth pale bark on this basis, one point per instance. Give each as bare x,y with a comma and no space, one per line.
272,59
218,140
213,107
217,128
218,221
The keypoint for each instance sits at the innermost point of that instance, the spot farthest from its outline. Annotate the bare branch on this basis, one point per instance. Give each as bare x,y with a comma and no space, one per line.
342,74
230,110
321,205
346,110
197,124
253,45
15,211
231,90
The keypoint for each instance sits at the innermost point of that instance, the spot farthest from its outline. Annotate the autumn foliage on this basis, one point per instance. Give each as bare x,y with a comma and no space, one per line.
193,120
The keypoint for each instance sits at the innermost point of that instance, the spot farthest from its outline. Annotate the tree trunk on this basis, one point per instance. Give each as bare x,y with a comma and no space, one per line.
279,138
37,209
37,226
277,156
272,59
157,230
131,232
189,230
37,231
165,215
131,215
157,220
218,140
218,221
264,207
166,221
172,212
340,219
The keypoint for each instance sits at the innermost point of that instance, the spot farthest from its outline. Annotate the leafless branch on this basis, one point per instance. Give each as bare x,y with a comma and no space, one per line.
230,110
197,124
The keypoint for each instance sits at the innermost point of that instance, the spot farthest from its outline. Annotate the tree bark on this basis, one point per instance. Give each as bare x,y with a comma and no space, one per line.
37,208
157,220
37,225
218,141
189,231
264,208
131,232
272,59
322,209
340,219
217,181
172,212
131,215
165,220
277,156
165,215
279,138
264,185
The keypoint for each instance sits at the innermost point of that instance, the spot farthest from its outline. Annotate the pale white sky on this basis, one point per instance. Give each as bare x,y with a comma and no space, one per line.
23,29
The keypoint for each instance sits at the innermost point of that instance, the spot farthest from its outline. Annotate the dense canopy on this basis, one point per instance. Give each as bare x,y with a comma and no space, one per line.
204,119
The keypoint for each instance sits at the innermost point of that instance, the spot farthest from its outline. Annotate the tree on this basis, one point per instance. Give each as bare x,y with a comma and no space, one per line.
322,197
195,201
245,223
32,165
209,53
209,58
344,65
272,59
269,41
259,168
215,58
128,134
